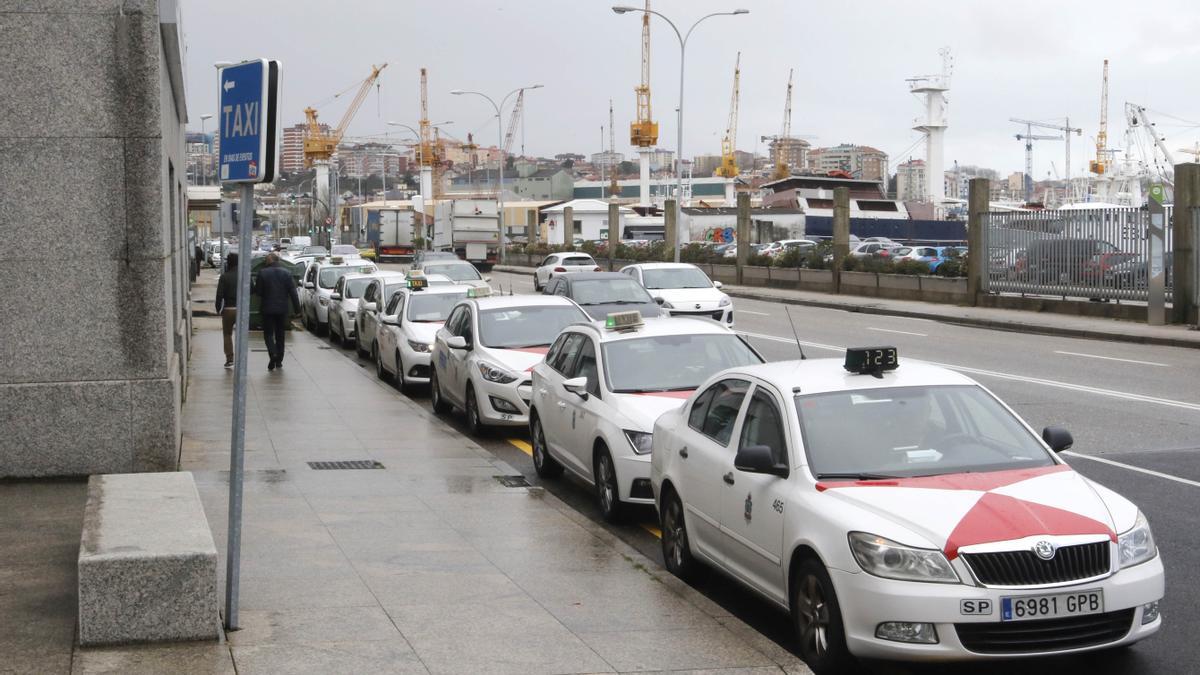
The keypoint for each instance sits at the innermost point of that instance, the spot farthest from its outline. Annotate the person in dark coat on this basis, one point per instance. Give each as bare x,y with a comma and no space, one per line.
227,287
277,289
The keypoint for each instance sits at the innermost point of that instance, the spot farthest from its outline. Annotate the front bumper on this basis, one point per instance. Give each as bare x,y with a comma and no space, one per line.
416,364
720,314
866,601
517,394
633,476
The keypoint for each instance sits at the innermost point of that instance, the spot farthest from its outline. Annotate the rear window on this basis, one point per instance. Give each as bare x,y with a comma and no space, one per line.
579,260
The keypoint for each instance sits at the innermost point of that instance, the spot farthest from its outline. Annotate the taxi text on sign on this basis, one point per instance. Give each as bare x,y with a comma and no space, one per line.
248,121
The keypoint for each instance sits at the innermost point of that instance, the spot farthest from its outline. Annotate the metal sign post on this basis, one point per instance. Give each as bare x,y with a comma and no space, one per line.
1156,282
249,128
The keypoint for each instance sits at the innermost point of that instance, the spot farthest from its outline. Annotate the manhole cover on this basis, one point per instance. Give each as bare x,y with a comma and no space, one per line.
345,465
512,481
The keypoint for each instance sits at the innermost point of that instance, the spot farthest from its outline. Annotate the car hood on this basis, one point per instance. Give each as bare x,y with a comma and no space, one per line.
957,510
519,361
422,331
649,310
644,409
707,297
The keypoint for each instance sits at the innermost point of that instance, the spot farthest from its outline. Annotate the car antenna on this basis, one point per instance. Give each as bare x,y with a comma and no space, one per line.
795,334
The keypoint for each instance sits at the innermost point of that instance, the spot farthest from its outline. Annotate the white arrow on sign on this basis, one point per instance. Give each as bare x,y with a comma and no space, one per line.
229,85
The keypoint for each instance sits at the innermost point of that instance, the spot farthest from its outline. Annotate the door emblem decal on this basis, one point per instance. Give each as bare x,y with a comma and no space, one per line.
749,507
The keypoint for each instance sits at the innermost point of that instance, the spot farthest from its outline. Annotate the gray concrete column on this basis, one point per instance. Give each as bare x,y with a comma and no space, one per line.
670,226
841,234
614,231
531,226
977,208
568,225
743,232
1183,260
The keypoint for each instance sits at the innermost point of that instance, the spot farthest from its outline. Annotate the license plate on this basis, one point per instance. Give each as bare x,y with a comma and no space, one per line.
1026,607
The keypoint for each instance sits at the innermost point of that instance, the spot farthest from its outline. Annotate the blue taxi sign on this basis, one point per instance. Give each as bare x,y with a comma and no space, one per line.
248,121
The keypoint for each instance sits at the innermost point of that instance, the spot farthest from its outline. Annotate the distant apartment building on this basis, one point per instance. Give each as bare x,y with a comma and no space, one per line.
607,158
371,159
792,151
860,161
1016,184
705,165
662,160
910,181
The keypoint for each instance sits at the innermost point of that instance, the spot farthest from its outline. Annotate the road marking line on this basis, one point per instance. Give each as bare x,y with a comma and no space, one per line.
521,445
1149,472
1018,378
1113,358
652,530
901,332
746,311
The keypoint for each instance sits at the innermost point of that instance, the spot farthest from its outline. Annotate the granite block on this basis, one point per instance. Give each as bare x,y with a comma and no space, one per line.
147,562
66,429
147,225
78,6
41,221
154,428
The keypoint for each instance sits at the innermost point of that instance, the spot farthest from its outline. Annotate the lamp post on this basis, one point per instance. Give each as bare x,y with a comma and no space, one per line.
683,38
499,146
207,147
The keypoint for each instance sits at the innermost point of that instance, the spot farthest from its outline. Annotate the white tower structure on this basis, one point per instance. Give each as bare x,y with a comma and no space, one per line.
934,87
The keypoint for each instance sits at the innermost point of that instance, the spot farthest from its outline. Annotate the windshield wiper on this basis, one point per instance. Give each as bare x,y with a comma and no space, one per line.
544,344
656,390
855,476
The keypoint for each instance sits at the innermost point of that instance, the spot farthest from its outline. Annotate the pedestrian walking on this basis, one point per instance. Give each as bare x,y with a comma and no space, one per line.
227,288
277,289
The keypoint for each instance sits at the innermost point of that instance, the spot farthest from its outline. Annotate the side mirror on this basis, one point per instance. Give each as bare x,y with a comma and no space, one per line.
335,296
717,284
758,459
659,300
457,342
369,307
390,321
577,386
1058,438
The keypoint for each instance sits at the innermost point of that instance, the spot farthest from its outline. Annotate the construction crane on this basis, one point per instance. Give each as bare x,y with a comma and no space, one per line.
1067,130
321,142
643,132
1163,166
431,152
513,121
1193,151
782,170
729,167
614,188
1098,166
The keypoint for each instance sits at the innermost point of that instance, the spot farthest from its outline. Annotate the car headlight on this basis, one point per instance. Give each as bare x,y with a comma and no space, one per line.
888,559
420,347
495,374
323,300
1137,545
640,440
725,301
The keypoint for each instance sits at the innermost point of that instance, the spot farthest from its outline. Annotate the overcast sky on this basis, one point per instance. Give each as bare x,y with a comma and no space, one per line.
1013,58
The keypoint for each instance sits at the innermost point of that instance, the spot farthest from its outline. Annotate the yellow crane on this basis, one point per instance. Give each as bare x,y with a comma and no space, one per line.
1098,166
643,132
320,143
729,167
431,152
782,170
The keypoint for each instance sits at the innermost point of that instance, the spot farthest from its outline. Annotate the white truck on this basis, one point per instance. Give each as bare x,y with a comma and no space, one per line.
470,228
390,232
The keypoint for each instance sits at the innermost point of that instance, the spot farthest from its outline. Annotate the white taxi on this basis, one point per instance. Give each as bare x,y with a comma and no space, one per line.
371,307
407,329
344,303
483,354
602,386
319,280
683,290
900,513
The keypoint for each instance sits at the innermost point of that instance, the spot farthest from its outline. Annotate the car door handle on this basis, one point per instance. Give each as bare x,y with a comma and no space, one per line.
683,453
728,478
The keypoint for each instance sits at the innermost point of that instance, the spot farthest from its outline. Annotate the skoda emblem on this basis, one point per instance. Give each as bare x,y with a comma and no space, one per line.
1044,550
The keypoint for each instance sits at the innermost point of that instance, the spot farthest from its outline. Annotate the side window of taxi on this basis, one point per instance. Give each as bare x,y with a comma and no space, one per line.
312,274
341,282
719,415
763,425
454,323
372,294
564,360
393,304
586,367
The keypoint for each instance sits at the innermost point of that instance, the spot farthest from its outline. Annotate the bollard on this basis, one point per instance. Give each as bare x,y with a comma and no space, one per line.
841,234
979,190
743,233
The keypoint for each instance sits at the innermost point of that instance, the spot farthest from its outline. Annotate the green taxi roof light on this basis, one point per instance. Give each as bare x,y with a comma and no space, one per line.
478,292
623,320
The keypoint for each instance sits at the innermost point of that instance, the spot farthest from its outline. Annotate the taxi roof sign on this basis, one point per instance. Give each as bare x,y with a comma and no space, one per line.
417,283
623,320
479,292
871,360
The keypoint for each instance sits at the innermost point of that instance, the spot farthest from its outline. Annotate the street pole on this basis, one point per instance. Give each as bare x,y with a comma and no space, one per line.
237,444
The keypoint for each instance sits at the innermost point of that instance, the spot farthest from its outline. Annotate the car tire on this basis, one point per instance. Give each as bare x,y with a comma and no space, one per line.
440,405
545,465
380,371
366,354
608,493
817,620
474,425
676,545
401,380
537,288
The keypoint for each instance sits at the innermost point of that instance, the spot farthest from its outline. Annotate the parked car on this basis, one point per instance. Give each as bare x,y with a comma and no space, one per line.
319,279
775,248
366,322
459,271
408,324
345,300
562,263
602,293
683,290
1061,260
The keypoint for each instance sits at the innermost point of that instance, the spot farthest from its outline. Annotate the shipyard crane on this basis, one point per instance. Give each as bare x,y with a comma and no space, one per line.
513,121
1067,130
782,170
432,153
1136,118
614,188
1099,165
320,142
729,167
1193,151
1029,138
643,131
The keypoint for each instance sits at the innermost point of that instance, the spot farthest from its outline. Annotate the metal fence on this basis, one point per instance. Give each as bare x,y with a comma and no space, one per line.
1086,253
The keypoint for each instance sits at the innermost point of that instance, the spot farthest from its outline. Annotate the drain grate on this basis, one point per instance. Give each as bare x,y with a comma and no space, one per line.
512,481
345,465
263,349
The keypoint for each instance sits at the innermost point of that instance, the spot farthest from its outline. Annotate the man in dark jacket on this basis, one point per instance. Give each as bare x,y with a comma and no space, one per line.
277,288
227,288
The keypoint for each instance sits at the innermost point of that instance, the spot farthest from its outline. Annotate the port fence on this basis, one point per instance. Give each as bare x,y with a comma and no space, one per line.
1099,254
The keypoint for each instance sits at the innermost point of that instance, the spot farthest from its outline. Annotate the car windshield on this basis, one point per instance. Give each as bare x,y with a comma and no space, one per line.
913,431
456,271
355,288
432,307
672,362
344,249
516,327
675,277
315,250
609,291
329,276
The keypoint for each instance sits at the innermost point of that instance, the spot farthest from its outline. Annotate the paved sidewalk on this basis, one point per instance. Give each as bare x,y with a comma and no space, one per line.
987,317
427,565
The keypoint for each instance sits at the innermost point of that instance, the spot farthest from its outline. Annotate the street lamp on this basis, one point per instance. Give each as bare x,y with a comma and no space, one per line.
207,146
500,146
683,38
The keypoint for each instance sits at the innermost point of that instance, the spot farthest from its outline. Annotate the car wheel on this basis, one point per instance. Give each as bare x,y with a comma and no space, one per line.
439,404
401,379
537,288
380,371
545,465
676,548
358,347
607,493
818,621
474,425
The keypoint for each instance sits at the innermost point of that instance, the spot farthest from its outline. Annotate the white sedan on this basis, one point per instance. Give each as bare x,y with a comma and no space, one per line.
371,308
900,512
483,354
562,263
319,279
602,386
407,329
683,290
344,304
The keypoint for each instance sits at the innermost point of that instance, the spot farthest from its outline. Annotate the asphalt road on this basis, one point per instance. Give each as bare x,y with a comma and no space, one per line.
1134,411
